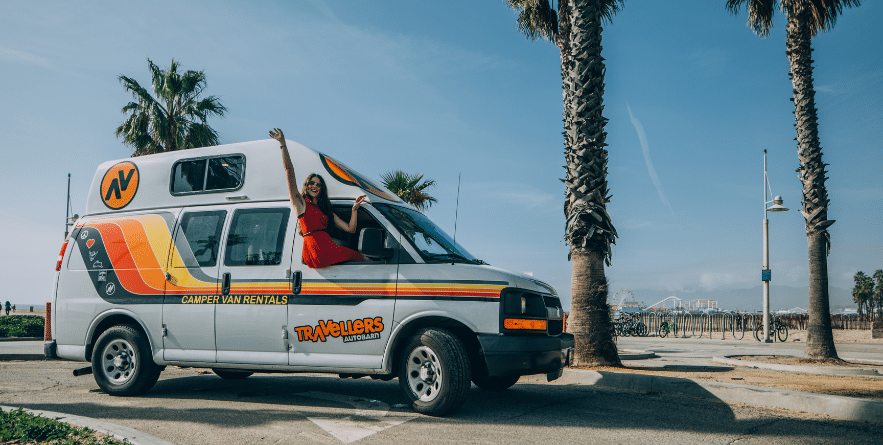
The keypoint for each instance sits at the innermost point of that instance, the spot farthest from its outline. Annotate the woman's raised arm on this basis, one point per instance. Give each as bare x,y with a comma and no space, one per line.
350,226
296,199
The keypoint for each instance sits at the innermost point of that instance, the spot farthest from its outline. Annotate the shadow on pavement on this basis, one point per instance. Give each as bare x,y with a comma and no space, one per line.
266,399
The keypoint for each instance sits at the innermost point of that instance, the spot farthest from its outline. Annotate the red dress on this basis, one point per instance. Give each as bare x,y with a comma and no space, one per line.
319,249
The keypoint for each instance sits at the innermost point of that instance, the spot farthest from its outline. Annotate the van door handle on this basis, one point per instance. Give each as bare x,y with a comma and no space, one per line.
296,282
225,285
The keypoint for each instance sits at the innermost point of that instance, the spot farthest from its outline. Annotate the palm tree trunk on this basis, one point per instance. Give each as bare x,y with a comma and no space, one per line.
563,42
589,321
589,230
820,338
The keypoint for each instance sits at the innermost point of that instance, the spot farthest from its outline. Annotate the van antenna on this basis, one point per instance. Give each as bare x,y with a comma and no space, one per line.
456,210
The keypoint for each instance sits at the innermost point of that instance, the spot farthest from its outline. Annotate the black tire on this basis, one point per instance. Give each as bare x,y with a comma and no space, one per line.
231,374
434,372
122,362
663,329
782,333
495,384
758,332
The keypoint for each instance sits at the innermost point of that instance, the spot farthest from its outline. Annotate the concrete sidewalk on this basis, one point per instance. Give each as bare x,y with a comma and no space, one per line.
662,351
705,352
21,349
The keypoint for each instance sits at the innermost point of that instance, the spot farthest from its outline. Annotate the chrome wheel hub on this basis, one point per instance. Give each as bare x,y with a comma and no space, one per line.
118,361
424,373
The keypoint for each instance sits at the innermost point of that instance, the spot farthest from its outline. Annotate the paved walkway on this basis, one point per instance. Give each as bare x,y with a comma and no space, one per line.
669,351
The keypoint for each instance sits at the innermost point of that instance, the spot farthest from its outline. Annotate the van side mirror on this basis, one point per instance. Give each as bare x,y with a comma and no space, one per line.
371,243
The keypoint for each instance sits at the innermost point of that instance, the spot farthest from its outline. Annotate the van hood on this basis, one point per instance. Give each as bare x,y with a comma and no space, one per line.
518,280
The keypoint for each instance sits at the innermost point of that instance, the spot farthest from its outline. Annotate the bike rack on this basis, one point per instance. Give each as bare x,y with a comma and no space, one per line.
684,335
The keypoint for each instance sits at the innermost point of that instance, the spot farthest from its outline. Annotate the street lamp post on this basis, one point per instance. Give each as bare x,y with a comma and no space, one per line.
766,273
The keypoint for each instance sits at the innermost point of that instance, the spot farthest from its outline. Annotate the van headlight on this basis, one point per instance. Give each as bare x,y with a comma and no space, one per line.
522,311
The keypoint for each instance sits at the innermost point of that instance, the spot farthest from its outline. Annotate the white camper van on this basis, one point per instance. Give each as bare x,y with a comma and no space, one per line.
193,258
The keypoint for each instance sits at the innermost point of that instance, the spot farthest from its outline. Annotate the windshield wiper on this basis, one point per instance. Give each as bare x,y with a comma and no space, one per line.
453,256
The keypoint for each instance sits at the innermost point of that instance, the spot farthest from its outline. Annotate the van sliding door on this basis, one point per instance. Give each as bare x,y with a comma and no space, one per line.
252,312
192,288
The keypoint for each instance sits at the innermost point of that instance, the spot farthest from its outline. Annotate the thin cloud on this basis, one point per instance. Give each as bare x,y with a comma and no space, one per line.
23,57
645,147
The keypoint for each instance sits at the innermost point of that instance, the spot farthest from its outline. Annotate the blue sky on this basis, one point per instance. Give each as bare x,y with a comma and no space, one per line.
693,98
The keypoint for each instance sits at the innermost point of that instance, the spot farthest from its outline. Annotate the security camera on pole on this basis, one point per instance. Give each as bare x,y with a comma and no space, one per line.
766,273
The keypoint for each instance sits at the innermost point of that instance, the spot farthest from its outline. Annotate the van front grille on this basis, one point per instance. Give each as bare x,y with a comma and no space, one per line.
552,301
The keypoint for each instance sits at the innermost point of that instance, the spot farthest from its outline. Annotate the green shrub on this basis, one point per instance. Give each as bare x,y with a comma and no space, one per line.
18,426
21,326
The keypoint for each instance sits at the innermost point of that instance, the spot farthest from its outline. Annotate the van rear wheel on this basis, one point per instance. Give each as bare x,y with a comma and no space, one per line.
231,374
122,362
434,372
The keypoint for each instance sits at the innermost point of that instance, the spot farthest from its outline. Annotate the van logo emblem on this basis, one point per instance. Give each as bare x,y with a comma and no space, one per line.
84,235
90,243
119,185
110,289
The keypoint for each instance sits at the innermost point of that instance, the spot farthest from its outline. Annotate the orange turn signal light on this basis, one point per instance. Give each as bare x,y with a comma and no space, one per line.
564,323
521,324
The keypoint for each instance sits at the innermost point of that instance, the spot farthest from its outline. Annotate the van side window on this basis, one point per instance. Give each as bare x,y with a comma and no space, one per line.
256,237
201,232
206,175
351,240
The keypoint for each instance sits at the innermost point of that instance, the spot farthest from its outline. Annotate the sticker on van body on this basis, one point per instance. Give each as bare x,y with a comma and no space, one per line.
119,185
349,176
351,330
132,253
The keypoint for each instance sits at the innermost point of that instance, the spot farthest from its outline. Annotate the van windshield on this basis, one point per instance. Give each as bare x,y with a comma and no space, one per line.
434,245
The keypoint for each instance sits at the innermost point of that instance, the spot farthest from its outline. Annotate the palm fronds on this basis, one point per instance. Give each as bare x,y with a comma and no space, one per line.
409,188
173,117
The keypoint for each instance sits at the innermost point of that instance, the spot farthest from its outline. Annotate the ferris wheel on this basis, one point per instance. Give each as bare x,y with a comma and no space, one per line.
619,297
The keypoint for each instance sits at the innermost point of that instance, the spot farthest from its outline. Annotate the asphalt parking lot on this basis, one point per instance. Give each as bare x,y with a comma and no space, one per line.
188,406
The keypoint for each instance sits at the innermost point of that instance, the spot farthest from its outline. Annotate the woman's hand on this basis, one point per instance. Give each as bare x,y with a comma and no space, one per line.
359,202
277,134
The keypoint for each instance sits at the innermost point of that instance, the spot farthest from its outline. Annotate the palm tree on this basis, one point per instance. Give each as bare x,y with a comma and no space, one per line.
409,188
576,29
863,292
805,19
174,118
878,291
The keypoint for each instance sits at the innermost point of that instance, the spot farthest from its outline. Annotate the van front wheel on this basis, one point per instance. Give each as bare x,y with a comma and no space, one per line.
434,372
122,362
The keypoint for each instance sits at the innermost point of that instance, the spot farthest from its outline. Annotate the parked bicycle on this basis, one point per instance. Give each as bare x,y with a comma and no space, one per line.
629,325
668,326
778,330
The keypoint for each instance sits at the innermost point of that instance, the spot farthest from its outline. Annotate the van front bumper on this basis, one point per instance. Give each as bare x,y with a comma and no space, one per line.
507,355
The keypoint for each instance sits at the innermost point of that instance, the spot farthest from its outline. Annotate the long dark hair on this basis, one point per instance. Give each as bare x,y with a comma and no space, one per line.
322,201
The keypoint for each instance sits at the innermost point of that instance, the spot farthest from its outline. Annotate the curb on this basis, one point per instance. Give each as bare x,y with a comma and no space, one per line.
827,370
21,339
119,432
29,357
635,354
836,406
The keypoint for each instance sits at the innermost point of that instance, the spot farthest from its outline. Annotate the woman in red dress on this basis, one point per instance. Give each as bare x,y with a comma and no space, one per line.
313,210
